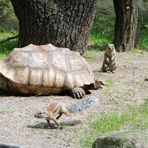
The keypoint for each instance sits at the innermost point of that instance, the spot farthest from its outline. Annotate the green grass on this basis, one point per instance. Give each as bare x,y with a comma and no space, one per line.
134,118
7,46
91,56
4,111
109,83
102,32
143,38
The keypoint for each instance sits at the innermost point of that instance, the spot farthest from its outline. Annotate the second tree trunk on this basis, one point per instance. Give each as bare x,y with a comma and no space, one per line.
126,25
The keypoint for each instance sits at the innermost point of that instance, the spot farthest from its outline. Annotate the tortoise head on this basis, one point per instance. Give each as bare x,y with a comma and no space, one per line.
94,86
97,84
41,115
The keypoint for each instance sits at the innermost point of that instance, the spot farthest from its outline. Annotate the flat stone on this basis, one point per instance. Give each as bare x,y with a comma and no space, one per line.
4,145
123,139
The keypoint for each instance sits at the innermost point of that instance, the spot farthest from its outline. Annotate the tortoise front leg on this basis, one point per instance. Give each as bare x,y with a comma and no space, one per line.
77,93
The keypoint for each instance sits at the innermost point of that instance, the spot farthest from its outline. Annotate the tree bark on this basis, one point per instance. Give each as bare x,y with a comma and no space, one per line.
64,23
126,25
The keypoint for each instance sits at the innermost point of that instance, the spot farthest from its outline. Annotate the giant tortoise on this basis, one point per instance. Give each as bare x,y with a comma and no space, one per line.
46,69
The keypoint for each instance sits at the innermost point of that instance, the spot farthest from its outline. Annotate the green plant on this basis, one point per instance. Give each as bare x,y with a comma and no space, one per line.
91,56
109,83
5,111
134,118
7,46
143,36
103,30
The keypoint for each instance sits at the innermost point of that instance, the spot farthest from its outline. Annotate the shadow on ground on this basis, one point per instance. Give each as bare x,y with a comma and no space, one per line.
44,125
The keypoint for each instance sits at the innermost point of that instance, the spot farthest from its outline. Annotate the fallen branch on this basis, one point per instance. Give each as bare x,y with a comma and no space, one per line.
10,38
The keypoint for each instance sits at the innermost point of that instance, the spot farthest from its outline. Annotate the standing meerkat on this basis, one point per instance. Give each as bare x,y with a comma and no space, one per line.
109,63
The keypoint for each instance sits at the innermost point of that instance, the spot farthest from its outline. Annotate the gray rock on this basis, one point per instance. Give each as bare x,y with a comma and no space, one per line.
123,139
4,145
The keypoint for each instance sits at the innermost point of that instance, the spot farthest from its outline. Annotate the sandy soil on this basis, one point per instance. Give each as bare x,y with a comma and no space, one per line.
126,87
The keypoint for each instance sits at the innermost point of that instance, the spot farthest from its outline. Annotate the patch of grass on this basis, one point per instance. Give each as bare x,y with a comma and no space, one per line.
134,118
102,32
127,94
4,111
143,38
129,62
137,51
142,86
109,83
91,56
7,46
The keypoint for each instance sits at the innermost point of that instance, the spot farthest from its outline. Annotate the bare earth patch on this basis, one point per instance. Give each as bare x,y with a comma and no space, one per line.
126,87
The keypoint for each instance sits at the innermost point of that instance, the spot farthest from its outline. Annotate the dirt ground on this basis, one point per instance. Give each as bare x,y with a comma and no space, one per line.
126,87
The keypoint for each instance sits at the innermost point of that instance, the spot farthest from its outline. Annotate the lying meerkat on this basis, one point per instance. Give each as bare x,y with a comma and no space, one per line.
56,109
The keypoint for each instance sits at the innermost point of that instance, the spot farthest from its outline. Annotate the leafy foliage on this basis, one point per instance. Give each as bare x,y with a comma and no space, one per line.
143,38
7,16
103,30
6,47
134,118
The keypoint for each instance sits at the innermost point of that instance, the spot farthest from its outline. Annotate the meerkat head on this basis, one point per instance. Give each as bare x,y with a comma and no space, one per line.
111,47
41,115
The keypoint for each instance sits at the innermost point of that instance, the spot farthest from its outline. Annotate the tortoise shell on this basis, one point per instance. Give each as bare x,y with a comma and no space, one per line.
44,69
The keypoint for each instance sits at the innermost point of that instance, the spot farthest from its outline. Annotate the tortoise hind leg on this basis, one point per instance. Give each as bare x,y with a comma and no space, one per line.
77,93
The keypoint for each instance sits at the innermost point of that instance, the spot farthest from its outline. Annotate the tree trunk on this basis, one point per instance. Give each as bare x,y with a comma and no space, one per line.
64,23
126,25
